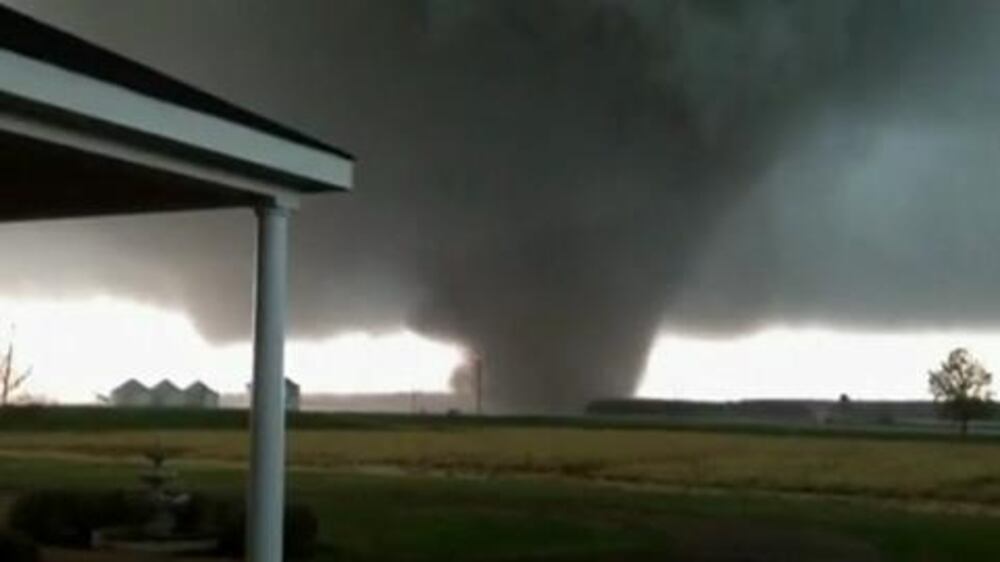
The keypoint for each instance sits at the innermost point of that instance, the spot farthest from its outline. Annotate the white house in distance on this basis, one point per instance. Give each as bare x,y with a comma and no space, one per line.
131,393
201,395
293,395
134,394
166,394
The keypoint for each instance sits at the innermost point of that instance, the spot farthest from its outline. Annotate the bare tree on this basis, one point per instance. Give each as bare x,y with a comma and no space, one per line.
962,388
11,381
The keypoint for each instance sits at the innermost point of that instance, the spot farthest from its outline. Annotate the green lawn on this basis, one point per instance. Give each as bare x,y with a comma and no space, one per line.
907,470
412,518
571,489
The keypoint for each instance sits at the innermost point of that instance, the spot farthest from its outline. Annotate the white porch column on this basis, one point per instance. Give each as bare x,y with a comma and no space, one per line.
266,494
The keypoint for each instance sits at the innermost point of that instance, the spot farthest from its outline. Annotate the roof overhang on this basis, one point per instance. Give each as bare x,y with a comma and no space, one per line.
72,144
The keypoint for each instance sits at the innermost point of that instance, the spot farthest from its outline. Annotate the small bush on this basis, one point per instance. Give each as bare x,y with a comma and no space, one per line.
301,531
198,515
68,518
15,547
116,508
51,517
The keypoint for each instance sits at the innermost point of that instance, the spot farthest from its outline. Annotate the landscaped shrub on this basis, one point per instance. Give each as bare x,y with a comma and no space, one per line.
15,547
199,515
301,531
68,518
51,517
116,508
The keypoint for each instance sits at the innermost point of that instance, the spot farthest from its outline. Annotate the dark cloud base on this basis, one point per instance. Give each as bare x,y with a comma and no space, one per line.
550,182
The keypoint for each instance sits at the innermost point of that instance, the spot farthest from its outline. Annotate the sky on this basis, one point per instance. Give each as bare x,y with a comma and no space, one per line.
806,362
79,349
588,193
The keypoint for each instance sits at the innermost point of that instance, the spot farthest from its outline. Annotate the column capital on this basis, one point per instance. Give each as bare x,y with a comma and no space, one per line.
273,208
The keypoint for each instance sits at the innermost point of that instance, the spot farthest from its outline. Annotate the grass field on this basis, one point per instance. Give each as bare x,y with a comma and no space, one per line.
387,489
919,470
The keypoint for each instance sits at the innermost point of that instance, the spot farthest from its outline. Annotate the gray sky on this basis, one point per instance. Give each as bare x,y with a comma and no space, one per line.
553,182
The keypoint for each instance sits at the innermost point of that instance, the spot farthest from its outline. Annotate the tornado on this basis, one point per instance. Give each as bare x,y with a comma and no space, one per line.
541,181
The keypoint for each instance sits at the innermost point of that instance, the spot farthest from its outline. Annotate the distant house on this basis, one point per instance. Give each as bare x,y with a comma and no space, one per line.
166,394
293,395
134,394
199,395
131,394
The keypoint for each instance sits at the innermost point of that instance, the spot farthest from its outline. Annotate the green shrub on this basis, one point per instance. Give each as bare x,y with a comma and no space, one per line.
198,515
51,517
116,508
15,547
68,518
301,531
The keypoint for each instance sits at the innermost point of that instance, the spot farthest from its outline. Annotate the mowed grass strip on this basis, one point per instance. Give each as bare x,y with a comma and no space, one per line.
957,471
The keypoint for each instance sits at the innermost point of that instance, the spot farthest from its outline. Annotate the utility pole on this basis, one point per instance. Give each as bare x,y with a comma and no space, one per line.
479,384
7,377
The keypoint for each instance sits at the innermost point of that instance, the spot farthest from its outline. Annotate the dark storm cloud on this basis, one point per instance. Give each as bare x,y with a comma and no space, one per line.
550,182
